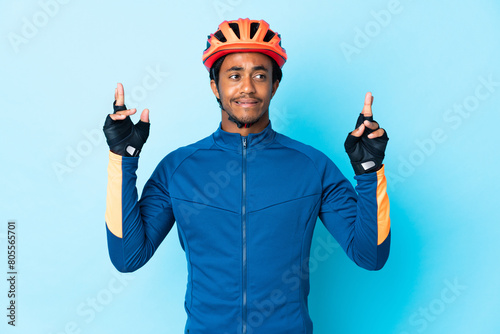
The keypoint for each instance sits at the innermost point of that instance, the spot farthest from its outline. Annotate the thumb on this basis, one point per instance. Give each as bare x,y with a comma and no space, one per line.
145,116
359,131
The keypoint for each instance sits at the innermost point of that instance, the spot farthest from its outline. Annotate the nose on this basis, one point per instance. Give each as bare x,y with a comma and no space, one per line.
247,85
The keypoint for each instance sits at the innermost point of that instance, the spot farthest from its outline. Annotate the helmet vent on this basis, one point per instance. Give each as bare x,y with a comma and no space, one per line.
220,36
269,36
235,28
254,26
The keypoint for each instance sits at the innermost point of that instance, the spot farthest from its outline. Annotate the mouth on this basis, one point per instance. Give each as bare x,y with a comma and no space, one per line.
246,103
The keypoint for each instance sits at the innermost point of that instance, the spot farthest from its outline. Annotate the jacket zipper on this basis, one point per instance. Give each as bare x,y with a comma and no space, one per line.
244,236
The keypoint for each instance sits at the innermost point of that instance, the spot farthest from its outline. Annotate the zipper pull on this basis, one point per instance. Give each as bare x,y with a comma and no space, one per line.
244,142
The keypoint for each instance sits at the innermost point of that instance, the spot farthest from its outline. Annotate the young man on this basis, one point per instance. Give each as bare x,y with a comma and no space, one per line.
246,198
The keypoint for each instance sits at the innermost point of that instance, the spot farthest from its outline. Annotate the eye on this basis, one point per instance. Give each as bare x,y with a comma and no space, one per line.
260,76
234,76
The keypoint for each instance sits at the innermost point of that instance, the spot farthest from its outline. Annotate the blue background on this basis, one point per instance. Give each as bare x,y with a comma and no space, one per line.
427,64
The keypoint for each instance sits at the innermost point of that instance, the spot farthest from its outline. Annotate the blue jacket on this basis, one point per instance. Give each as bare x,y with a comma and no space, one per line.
245,209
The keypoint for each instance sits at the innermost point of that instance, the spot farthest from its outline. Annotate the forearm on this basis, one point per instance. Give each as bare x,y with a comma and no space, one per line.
128,243
370,242
358,219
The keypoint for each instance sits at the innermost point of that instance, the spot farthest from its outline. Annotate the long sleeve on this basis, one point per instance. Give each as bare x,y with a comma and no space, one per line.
359,220
135,229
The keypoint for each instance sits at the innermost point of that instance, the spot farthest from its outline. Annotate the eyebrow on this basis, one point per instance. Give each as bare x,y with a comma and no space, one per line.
255,68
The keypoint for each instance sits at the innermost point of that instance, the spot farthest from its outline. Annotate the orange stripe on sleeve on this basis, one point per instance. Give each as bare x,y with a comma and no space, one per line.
113,214
383,207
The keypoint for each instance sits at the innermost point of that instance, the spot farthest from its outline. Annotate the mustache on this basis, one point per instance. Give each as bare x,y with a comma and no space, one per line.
246,97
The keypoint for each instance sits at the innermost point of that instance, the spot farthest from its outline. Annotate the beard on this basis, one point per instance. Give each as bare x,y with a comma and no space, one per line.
243,119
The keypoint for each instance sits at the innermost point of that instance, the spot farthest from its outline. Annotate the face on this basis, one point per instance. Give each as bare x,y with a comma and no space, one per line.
245,85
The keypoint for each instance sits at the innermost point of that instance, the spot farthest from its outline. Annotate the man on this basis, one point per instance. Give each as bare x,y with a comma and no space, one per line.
246,198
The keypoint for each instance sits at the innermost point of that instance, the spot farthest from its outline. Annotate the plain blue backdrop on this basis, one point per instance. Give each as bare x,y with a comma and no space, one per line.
434,72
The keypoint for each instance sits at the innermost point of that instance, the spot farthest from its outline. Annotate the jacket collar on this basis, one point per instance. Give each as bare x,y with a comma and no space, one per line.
234,141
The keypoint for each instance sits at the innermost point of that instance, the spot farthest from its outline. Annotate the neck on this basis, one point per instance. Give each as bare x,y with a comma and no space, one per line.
229,126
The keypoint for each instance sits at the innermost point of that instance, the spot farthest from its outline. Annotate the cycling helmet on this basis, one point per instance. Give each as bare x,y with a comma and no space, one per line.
243,35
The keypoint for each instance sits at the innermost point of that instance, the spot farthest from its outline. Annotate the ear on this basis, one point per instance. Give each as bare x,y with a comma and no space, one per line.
214,88
275,87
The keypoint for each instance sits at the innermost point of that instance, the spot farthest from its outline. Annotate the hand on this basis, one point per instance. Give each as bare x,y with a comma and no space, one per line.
123,137
366,144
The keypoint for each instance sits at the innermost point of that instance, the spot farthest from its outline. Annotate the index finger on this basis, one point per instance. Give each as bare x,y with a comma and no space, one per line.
119,95
367,108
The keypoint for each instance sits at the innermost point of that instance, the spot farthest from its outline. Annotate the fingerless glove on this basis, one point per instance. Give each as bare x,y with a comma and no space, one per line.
124,137
366,154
